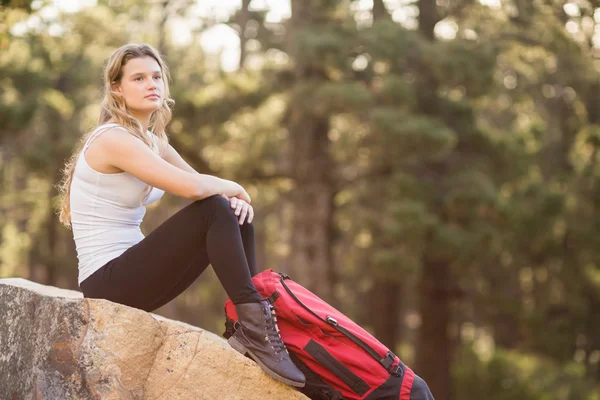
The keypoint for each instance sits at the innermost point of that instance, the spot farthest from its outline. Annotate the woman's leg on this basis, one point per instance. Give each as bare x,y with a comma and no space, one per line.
197,266
202,261
247,232
169,259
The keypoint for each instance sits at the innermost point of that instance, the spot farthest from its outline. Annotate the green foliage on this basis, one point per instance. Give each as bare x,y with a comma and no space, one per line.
412,137
395,91
323,46
391,43
333,98
466,64
511,375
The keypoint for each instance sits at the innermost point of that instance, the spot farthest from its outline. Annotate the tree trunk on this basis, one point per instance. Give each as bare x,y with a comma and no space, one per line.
592,102
165,13
379,11
311,239
242,20
434,351
385,297
52,222
51,234
434,348
428,17
311,166
525,10
260,241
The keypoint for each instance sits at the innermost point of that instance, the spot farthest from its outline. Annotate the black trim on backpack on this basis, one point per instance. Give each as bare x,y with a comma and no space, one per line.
420,390
353,381
386,362
315,388
390,389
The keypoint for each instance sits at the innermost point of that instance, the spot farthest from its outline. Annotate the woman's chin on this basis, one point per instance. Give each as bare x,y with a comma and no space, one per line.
145,110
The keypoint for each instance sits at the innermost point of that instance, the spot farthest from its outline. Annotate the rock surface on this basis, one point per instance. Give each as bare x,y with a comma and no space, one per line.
54,344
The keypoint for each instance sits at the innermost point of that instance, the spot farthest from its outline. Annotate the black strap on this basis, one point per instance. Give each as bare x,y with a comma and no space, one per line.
360,343
386,362
321,354
272,298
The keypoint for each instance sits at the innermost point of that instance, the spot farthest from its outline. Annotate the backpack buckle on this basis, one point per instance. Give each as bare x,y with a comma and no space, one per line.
387,363
397,371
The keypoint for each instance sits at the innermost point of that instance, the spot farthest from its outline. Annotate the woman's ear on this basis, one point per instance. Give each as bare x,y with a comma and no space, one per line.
116,87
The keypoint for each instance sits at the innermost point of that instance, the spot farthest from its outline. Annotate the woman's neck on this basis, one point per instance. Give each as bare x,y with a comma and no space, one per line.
145,122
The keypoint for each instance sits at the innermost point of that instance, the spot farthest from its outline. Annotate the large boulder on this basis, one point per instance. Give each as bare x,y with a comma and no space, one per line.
54,344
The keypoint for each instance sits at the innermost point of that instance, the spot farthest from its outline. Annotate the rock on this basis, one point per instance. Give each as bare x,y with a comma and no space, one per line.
55,345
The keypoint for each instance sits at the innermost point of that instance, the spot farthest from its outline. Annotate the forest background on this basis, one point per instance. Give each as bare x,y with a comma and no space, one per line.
431,168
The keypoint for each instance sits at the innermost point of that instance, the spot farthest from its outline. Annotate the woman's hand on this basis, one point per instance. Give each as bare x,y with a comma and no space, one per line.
234,189
242,209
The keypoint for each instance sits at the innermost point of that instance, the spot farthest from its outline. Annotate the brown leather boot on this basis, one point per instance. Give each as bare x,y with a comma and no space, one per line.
258,337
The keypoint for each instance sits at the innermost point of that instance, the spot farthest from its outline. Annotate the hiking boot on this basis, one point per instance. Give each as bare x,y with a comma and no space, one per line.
257,336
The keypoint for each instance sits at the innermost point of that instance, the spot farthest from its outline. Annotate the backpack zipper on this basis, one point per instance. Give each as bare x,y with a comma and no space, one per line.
388,359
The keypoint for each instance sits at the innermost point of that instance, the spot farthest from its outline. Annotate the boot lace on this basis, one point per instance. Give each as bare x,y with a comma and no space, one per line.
273,336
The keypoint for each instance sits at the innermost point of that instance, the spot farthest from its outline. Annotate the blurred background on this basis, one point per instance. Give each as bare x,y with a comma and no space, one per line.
431,168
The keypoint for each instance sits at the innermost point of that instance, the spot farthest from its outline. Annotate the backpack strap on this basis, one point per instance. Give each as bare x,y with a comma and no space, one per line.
407,383
385,362
273,298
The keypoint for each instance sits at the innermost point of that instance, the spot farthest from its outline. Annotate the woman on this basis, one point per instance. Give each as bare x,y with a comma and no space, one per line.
127,163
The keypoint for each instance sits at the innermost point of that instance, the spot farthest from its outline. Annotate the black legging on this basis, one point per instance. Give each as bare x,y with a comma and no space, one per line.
167,261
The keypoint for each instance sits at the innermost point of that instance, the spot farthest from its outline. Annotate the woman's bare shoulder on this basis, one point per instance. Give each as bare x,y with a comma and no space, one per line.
98,152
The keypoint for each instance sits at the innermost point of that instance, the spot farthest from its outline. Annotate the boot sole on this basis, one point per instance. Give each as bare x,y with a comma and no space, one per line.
233,342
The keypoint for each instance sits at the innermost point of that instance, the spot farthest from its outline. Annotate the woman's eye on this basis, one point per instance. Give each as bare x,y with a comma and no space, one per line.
156,77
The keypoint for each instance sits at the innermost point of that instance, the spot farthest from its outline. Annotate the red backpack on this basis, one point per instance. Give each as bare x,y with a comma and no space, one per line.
339,359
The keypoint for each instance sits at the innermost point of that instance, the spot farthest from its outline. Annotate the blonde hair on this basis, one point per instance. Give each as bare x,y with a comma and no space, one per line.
115,110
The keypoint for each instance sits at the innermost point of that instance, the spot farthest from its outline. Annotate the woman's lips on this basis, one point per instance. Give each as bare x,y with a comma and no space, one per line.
153,97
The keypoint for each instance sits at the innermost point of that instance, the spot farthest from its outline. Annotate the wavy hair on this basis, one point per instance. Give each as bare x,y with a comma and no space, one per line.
114,110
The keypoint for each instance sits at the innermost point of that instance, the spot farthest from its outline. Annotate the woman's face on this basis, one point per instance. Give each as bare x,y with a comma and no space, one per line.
142,86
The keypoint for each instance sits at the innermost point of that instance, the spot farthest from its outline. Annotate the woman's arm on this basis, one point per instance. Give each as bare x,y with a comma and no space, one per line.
128,153
172,157
241,208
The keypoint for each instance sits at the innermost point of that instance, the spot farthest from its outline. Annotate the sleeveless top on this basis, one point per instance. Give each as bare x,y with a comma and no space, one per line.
106,210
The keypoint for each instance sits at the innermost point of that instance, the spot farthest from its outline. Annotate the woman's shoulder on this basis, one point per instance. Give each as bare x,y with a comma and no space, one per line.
101,130
109,137
110,125
113,134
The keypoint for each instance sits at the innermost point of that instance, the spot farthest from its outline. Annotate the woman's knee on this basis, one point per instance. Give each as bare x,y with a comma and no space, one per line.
218,205
215,203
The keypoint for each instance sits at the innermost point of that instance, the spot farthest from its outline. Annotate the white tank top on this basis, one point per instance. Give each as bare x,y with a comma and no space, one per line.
106,210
